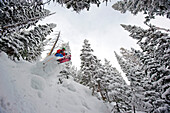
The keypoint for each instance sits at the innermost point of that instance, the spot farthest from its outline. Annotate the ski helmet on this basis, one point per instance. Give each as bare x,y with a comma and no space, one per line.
63,48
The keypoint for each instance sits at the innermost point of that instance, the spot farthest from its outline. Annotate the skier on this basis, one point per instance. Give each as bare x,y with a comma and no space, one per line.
60,52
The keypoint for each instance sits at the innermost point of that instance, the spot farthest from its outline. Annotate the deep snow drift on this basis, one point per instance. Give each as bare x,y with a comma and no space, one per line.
34,88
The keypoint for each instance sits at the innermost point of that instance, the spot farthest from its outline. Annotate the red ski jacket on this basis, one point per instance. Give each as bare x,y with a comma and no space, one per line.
61,52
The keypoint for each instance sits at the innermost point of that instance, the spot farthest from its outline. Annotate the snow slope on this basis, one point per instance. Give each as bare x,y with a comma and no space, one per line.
34,88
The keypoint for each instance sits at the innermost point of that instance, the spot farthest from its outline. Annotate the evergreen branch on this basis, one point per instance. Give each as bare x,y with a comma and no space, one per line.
47,2
22,23
167,30
157,28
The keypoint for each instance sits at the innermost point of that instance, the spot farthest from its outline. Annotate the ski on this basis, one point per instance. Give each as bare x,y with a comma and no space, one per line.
65,59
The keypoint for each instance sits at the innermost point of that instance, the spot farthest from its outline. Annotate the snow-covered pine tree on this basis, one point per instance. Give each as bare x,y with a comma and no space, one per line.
78,5
88,61
66,72
149,7
16,15
118,90
132,67
124,66
104,76
36,38
74,73
98,82
27,44
11,44
78,77
137,76
67,47
155,46
133,56
132,59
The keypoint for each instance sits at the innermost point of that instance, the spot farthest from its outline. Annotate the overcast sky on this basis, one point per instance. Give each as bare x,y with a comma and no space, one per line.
100,25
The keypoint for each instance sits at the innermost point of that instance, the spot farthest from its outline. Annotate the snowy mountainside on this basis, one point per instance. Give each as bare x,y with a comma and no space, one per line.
33,88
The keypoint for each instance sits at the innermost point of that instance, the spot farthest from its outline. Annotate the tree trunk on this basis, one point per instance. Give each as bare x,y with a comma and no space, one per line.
99,87
107,95
117,106
134,111
93,90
